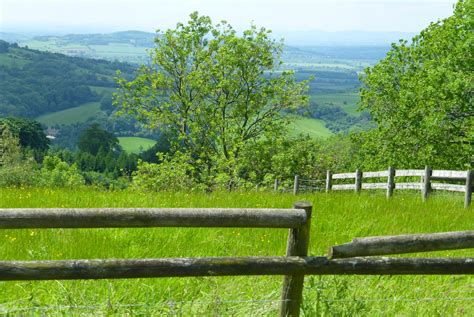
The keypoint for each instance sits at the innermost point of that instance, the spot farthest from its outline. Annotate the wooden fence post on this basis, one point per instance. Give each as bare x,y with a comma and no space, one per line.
469,183
296,186
328,181
425,191
390,181
277,183
298,243
358,180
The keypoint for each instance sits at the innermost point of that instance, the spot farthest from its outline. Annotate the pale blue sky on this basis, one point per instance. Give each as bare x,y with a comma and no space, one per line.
290,15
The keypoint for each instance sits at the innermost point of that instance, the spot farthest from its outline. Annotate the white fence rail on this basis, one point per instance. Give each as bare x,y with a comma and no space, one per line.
429,180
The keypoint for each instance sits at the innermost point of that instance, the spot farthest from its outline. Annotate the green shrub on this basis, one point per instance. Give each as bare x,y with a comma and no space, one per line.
56,173
100,180
173,174
15,169
19,175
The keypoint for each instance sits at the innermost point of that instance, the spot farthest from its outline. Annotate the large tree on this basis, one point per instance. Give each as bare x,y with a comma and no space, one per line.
213,91
420,96
94,139
29,132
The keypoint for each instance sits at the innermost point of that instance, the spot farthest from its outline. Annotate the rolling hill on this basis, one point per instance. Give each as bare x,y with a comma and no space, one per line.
63,90
315,128
35,83
72,115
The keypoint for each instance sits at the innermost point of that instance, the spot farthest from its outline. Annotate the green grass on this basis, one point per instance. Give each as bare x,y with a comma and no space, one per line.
103,90
135,144
71,115
111,51
338,217
12,60
345,100
315,128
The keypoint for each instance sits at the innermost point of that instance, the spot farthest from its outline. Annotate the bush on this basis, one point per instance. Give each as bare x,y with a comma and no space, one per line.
15,169
103,181
56,173
19,175
173,174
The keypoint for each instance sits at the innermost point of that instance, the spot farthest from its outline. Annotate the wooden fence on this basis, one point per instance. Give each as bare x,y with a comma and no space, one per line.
294,266
429,180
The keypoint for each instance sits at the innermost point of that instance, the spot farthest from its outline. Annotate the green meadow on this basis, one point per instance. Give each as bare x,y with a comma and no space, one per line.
111,51
315,128
72,115
346,100
135,144
337,218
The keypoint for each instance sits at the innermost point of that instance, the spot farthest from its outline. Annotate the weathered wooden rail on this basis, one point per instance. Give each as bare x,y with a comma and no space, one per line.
429,180
298,220
294,266
230,266
407,243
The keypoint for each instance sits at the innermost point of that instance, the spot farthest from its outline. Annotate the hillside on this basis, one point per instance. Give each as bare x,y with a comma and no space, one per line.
335,68
35,83
71,115
65,91
315,128
125,46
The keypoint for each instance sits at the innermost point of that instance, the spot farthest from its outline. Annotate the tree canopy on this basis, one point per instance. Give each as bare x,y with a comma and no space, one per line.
213,91
420,96
95,139
29,132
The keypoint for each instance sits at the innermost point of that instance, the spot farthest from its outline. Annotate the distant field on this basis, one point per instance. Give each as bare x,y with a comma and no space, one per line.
102,90
71,115
337,218
336,65
135,144
346,100
315,128
112,51
12,60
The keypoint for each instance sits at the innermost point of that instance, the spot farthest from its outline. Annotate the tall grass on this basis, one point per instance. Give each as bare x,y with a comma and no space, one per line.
338,218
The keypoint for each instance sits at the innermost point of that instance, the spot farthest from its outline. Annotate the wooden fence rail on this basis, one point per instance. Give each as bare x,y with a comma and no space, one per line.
230,266
294,266
150,217
296,219
429,181
408,243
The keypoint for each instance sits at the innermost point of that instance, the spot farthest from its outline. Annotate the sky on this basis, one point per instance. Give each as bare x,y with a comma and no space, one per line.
76,16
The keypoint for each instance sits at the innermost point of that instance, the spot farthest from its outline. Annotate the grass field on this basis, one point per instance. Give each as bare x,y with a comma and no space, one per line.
71,115
135,144
345,100
111,51
315,128
338,218
103,90
12,60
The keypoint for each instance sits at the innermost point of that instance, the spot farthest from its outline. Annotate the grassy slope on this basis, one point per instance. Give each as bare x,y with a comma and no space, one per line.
313,127
338,99
135,144
71,115
103,90
338,218
11,59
